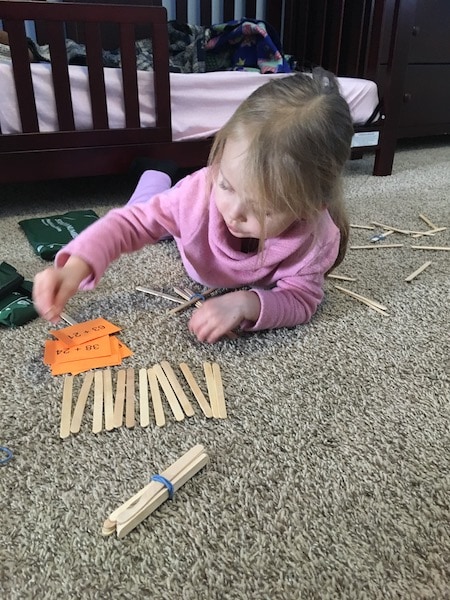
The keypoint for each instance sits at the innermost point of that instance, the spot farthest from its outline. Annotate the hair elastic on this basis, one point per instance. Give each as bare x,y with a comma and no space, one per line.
198,297
164,481
8,457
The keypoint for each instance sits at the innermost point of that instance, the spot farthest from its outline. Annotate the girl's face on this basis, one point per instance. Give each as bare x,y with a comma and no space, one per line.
234,201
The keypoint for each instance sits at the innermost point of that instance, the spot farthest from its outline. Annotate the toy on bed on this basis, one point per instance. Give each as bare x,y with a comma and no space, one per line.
67,120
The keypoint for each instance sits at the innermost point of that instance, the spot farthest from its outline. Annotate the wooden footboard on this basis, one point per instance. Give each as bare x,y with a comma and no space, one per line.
343,36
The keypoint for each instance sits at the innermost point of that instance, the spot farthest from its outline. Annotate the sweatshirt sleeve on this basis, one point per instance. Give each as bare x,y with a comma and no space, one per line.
120,231
295,299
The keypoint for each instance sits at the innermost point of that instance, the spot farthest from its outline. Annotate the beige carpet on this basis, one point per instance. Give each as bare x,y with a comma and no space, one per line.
331,476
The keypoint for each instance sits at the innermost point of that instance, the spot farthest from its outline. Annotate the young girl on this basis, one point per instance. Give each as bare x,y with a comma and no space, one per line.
266,215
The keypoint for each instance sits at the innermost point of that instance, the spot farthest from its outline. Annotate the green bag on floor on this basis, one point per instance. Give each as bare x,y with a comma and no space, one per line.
48,235
16,305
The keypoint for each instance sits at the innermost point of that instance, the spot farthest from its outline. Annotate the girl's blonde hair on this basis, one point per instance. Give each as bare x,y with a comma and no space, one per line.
299,131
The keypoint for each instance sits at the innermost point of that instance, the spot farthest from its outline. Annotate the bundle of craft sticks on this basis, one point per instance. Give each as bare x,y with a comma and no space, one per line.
161,487
111,408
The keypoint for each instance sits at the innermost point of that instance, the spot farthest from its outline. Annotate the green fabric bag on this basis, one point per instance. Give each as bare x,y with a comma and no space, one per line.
10,279
48,235
17,308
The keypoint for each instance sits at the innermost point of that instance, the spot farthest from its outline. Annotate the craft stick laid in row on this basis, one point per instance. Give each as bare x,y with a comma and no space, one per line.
109,408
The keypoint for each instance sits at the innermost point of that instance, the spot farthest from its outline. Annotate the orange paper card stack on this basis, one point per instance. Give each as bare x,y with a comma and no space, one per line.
84,346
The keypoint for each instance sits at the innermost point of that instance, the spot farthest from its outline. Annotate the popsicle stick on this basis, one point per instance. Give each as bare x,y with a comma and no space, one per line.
429,232
149,501
212,390
159,294
108,399
361,226
426,220
430,247
377,246
222,409
80,405
186,296
66,407
404,231
198,394
341,277
130,399
158,410
179,392
417,272
170,394
144,413
170,473
373,304
97,417
120,398
191,302
65,317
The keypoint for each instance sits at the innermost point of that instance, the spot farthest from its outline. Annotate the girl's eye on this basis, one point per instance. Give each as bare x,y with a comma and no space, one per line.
223,186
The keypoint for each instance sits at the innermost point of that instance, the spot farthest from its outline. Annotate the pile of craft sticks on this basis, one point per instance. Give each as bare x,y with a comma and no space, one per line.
115,405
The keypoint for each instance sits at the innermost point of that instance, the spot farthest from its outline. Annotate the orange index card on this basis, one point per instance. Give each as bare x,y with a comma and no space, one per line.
101,346
84,332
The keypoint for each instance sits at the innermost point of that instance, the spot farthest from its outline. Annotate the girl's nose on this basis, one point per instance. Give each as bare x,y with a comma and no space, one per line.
237,212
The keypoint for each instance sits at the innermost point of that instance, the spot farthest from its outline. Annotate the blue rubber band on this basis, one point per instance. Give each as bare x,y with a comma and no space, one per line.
198,297
8,457
164,481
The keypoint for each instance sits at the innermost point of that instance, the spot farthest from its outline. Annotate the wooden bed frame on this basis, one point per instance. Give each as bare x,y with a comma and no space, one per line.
341,35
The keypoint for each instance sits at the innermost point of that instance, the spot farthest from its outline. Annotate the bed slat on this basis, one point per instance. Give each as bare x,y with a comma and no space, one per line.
22,76
96,76
60,76
129,75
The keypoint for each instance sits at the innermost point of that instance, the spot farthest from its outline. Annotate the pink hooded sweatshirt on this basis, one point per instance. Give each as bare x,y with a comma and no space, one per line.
288,277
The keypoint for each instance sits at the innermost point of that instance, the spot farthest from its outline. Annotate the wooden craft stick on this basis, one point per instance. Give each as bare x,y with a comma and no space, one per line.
361,226
373,304
97,417
158,410
222,409
65,317
185,295
430,247
378,246
170,394
191,302
149,501
159,294
198,394
418,271
66,407
212,390
389,228
108,400
426,220
120,398
341,277
170,473
80,405
144,413
429,232
180,393
130,399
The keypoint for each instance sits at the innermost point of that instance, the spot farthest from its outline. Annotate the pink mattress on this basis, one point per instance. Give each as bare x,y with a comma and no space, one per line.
201,103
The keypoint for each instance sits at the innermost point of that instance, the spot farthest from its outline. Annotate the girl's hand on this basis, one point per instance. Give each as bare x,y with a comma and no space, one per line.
219,315
54,287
